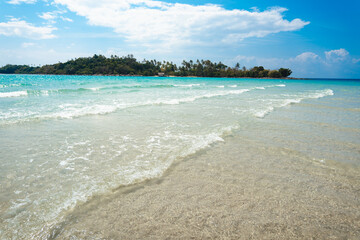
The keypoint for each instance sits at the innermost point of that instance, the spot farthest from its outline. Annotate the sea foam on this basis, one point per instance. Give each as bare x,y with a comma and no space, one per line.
194,98
13,94
72,111
296,99
187,85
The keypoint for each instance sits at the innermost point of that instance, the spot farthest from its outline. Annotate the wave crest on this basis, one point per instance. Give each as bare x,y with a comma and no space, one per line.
297,99
13,94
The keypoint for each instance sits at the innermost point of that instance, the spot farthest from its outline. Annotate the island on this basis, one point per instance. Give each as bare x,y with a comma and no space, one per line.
129,66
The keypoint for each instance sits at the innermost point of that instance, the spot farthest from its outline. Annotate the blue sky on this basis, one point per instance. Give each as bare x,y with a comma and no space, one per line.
313,38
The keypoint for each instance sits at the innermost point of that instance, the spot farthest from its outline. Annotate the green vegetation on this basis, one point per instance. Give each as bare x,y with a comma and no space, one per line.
128,65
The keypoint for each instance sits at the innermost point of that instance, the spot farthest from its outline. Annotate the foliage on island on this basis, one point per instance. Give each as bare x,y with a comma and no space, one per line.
128,65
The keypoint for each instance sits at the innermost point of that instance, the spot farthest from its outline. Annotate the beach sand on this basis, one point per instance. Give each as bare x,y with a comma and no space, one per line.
256,192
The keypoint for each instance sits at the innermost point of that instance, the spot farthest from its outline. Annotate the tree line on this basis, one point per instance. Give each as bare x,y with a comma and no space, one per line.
128,65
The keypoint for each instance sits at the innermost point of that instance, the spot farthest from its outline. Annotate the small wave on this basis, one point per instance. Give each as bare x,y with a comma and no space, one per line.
93,89
194,98
38,92
81,90
263,113
45,92
324,93
271,86
152,86
74,110
42,92
137,172
68,111
232,86
286,102
60,91
69,90
116,87
13,94
222,86
187,85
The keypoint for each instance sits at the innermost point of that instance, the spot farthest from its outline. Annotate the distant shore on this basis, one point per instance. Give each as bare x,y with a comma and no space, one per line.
170,76
129,66
128,75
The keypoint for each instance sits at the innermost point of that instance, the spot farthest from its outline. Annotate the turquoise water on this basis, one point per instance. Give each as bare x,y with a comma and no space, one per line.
65,139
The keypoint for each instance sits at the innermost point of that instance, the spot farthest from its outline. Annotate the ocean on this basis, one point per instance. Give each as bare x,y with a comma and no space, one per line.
67,141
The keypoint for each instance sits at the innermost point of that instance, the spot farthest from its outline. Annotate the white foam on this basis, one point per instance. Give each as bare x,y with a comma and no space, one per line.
271,86
63,163
68,111
93,89
263,113
236,91
202,142
82,143
232,86
285,102
19,203
71,111
322,93
187,85
222,86
194,98
45,92
13,94
260,88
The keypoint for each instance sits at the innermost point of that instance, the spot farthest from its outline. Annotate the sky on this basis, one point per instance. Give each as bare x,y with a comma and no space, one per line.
314,38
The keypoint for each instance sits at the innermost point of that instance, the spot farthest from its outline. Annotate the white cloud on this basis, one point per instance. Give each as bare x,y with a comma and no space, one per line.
27,44
356,60
305,57
48,15
21,28
334,63
21,1
156,22
51,16
66,19
337,55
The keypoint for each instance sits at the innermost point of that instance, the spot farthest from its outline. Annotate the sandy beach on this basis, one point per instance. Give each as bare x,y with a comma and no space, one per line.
257,192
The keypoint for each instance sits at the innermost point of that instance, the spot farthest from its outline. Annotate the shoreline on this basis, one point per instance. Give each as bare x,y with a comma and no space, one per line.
238,197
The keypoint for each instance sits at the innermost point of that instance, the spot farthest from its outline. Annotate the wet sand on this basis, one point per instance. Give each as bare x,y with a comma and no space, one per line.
238,189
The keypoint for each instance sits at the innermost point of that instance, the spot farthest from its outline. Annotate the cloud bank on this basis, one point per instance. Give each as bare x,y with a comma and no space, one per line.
335,63
20,28
149,21
337,55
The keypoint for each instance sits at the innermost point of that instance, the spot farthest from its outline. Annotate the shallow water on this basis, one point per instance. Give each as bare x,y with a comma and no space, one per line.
256,192
66,139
